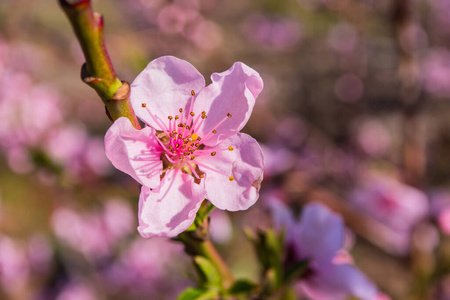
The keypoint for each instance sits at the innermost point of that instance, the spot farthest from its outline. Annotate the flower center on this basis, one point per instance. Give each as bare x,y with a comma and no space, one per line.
181,142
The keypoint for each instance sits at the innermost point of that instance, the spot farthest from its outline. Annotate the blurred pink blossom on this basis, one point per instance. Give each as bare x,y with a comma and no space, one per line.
373,137
14,267
144,267
77,291
198,140
27,111
349,88
204,34
220,227
396,205
318,237
172,18
274,33
95,233
71,147
343,38
436,72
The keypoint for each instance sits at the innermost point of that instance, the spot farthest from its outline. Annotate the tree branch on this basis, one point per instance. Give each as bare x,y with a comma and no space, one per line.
98,71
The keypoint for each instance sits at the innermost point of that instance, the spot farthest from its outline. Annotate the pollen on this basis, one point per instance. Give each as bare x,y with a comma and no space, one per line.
230,148
213,153
144,104
231,178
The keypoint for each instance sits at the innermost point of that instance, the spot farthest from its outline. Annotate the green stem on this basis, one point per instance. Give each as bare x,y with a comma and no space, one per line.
196,246
98,71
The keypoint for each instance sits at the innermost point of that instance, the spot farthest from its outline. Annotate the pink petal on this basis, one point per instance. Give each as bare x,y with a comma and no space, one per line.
320,234
124,146
338,282
233,91
165,85
245,163
170,209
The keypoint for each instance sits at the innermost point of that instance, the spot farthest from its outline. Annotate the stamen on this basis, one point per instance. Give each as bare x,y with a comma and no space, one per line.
155,118
205,138
192,169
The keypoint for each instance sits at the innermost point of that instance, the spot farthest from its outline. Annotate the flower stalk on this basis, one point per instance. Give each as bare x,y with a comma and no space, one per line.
98,71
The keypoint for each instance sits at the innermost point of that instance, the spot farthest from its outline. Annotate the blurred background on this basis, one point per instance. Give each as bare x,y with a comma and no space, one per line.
354,114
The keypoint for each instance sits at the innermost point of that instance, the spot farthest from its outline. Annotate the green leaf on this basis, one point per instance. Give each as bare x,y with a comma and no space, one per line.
242,286
296,270
197,294
191,294
210,275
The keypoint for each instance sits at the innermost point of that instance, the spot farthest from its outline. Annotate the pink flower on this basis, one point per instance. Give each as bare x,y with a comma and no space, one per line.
319,237
191,148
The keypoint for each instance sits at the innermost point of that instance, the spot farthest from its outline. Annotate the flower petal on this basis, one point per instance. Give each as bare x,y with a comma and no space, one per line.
245,163
165,86
233,91
135,152
170,209
320,234
338,282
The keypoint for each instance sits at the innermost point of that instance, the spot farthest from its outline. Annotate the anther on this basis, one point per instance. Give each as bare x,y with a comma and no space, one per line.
202,176
181,110
177,117
180,135
213,153
214,131
192,93
170,118
230,148
192,113
192,157
228,115
231,178
144,104
177,145
194,136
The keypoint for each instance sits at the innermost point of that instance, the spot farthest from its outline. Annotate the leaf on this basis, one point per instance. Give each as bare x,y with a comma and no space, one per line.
210,275
197,294
191,294
242,286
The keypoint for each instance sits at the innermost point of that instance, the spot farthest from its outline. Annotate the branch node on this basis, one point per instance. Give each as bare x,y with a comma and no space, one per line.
86,77
122,93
